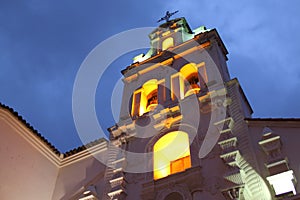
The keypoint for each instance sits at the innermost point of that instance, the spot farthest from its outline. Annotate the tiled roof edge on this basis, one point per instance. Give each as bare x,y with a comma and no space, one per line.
83,147
30,127
272,119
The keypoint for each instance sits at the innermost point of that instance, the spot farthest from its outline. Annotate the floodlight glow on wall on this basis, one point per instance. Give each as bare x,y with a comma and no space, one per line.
283,182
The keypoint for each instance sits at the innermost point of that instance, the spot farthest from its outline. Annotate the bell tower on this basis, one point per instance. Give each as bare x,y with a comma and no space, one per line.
181,133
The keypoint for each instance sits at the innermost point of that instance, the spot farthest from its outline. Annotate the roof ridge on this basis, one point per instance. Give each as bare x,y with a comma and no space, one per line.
273,118
83,147
43,139
31,128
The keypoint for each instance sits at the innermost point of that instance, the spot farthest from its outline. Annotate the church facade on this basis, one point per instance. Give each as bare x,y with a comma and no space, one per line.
185,132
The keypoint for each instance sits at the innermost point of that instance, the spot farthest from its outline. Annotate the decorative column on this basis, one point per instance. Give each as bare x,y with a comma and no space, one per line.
115,182
230,154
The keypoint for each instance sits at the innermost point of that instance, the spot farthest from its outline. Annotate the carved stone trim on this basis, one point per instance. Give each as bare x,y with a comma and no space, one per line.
234,193
157,189
181,189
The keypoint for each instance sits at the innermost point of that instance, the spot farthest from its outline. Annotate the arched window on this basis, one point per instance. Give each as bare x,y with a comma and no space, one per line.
192,83
167,43
145,98
171,154
150,92
174,196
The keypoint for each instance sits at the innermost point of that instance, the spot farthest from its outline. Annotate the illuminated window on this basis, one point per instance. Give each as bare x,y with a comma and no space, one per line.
145,98
191,79
179,164
167,43
187,81
171,154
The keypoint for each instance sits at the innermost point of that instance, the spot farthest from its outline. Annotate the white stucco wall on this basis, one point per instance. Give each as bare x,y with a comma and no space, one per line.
29,169
74,178
25,172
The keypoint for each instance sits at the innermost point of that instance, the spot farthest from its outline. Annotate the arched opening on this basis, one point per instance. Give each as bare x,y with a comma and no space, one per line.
192,83
174,196
167,43
171,154
145,98
150,92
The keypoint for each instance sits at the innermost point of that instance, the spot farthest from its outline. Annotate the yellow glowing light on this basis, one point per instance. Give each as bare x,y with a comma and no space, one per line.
171,154
143,104
204,45
151,107
136,102
145,98
149,87
190,75
189,70
192,91
167,43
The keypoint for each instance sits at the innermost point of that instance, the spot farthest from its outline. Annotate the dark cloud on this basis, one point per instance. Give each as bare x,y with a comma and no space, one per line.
263,49
43,43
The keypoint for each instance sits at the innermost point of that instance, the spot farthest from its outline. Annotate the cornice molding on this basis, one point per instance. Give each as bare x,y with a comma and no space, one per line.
31,138
274,122
59,160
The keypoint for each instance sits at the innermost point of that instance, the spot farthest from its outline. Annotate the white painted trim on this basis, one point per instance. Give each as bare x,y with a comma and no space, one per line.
84,154
276,163
269,140
43,148
30,137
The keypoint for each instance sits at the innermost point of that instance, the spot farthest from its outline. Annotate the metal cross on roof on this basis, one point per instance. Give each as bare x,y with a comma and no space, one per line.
167,16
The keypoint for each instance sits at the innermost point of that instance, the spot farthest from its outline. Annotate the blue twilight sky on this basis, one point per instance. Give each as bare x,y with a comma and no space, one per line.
43,43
